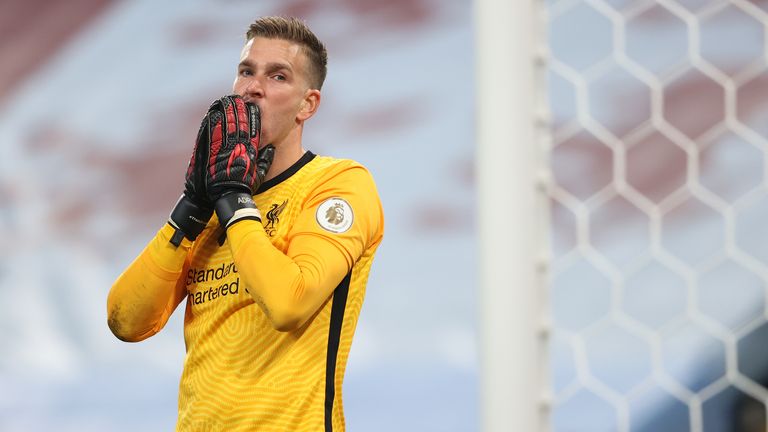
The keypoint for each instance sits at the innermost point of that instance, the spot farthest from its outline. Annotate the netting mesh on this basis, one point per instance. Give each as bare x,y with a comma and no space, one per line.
659,214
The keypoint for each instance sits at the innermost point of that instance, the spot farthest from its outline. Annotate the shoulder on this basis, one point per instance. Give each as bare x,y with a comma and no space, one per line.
344,180
341,171
332,164
345,201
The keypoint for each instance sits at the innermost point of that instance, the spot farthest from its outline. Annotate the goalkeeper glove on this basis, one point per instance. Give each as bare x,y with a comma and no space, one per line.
236,166
193,210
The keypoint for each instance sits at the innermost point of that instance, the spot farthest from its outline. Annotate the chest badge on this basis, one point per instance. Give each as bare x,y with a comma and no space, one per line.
273,217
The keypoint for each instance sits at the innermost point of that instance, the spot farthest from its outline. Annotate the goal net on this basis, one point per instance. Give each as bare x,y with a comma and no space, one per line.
655,277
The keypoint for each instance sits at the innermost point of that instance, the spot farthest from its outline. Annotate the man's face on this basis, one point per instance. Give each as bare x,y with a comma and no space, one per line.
273,74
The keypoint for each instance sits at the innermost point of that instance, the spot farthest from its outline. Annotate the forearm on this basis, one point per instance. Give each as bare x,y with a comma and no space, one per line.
143,297
288,287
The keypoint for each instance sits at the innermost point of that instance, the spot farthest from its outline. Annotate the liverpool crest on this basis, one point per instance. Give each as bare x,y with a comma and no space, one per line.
273,217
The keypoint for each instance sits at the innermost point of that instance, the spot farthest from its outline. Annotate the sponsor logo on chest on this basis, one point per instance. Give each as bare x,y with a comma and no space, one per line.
212,283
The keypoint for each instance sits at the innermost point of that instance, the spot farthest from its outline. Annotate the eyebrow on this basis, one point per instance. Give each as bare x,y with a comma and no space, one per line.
270,67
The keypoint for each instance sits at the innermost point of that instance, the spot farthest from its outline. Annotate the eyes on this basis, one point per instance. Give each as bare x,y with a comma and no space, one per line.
277,76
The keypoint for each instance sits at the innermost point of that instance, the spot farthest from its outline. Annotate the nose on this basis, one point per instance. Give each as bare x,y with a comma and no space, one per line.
253,90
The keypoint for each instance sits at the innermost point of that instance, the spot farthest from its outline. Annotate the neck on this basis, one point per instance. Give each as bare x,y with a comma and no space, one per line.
287,153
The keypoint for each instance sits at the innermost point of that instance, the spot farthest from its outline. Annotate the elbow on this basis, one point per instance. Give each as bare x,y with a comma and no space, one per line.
286,324
286,321
121,328
118,329
285,316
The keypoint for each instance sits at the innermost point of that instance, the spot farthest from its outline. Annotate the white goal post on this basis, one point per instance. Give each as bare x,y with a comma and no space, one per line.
511,124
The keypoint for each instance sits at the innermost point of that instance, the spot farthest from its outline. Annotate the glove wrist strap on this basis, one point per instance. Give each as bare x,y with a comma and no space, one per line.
188,220
235,207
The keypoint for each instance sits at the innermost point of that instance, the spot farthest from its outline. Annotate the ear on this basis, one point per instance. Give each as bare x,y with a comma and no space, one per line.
309,105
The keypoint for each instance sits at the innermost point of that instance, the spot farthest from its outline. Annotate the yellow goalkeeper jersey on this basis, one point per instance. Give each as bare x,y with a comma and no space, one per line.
271,307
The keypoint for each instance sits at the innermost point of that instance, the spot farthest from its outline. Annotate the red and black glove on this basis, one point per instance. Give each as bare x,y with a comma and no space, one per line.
225,169
193,210
235,165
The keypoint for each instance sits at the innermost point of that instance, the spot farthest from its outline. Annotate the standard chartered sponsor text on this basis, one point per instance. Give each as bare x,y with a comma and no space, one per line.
214,274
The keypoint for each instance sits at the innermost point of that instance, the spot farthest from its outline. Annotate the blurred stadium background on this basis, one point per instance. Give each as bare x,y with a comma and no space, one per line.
99,105
656,143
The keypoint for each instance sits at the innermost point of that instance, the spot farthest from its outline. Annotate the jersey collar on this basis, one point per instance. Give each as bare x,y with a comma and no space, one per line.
285,175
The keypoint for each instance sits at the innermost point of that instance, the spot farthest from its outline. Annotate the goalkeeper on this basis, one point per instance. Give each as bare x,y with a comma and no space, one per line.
269,244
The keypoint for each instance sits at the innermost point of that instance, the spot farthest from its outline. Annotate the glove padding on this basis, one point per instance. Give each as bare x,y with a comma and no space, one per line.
194,180
236,206
234,129
236,166
224,162
193,210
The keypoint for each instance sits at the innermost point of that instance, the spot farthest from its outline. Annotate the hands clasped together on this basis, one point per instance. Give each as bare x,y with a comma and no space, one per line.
226,168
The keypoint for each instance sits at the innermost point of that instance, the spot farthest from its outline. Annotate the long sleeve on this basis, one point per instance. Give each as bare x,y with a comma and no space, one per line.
291,286
145,295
